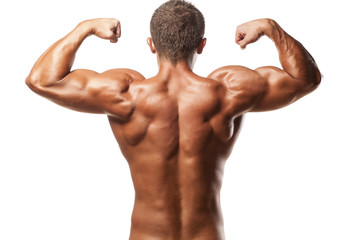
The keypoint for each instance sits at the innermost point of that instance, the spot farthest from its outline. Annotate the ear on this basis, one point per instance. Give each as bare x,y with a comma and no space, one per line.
151,44
201,46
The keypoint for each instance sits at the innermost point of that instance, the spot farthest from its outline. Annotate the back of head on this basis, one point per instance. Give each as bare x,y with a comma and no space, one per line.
177,28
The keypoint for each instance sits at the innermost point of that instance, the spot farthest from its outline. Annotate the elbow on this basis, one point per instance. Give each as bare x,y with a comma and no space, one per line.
314,81
33,83
317,78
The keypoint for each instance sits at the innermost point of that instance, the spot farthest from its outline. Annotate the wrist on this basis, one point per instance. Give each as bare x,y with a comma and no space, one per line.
86,28
268,27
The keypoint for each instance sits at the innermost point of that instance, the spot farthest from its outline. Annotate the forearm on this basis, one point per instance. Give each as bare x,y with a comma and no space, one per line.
294,58
56,62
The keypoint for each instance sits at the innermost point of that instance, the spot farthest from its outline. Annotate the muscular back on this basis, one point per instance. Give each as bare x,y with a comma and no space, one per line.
176,141
177,129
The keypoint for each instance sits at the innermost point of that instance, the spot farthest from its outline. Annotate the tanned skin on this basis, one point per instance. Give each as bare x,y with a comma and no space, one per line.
176,129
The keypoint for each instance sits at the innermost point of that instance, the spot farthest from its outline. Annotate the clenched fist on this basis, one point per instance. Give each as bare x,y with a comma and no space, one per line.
105,28
250,32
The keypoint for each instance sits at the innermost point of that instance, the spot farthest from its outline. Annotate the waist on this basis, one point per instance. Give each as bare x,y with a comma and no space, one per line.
177,222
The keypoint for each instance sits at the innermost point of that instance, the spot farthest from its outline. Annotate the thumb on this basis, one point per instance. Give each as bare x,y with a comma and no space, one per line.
243,43
114,40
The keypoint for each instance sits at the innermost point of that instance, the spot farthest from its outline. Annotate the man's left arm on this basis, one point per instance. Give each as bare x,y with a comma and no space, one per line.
83,90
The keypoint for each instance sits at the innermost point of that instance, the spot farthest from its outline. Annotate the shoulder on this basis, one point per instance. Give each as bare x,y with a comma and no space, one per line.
122,74
239,78
235,76
222,72
243,86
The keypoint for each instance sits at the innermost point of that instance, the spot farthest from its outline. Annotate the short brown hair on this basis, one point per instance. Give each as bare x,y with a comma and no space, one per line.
177,28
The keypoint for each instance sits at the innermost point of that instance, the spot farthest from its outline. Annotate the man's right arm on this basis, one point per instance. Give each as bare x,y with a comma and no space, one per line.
83,90
270,88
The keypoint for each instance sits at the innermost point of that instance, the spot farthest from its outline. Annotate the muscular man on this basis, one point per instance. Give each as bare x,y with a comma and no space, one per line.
175,129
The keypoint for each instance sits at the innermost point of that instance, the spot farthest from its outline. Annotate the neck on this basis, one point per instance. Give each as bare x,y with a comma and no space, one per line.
181,67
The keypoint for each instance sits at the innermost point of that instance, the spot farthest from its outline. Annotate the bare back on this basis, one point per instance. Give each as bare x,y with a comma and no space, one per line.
176,142
176,129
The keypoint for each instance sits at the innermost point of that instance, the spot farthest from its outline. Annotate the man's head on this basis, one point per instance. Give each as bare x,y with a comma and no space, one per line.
177,29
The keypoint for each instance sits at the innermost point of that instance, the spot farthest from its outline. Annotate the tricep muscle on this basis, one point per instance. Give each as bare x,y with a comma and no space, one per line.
89,91
279,91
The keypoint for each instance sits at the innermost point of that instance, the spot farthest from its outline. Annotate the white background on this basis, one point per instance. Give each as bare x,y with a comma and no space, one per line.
293,174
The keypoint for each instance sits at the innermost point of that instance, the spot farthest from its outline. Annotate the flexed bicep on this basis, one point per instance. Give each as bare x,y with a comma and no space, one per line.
275,87
82,90
263,89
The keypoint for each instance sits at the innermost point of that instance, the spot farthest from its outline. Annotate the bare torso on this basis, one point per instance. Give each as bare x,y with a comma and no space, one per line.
177,129
176,141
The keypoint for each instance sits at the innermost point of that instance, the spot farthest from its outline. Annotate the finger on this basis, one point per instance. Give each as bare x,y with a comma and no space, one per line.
243,43
118,30
116,33
239,37
238,40
113,38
